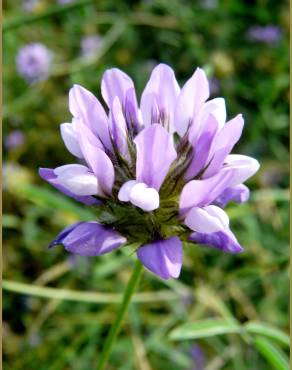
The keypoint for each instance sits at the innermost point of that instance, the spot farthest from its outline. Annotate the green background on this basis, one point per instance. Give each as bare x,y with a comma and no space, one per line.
68,333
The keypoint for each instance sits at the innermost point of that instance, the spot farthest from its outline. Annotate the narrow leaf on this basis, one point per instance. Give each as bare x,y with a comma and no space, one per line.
205,328
269,331
274,355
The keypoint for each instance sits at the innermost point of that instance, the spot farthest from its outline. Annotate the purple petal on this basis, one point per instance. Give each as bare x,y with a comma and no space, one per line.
89,239
238,194
163,257
98,161
241,166
215,107
78,179
224,240
199,193
115,83
119,128
162,89
202,147
62,235
132,111
223,144
207,219
191,98
83,104
152,162
48,175
70,139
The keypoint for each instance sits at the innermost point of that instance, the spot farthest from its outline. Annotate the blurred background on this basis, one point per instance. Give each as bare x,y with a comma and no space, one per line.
48,46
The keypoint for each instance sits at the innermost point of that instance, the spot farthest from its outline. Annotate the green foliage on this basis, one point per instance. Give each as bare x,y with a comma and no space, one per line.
58,308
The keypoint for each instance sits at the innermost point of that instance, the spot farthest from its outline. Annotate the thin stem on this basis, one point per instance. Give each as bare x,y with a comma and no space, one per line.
133,282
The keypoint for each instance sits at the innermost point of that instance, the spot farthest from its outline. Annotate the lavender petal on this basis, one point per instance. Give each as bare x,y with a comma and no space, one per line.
163,257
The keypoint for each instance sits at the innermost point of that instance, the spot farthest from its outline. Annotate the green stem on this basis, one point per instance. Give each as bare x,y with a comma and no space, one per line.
133,282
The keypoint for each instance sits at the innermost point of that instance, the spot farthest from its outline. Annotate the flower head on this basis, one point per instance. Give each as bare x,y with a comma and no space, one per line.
34,62
90,45
14,139
157,173
269,34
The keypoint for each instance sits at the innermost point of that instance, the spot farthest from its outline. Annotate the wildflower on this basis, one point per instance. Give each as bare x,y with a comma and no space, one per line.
198,356
269,34
157,173
30,5
34,62
90,45
14,139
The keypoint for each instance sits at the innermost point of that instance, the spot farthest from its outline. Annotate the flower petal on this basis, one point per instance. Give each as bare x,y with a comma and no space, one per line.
199,193
70,139
97,160
152,162
115,83
202,147
83,104
144,197
242,167
124,192
223,144
89,239
77,179
215,107
132,113
238,194
119,128
163,257
224,240
162,89
191,98
207,219
48,175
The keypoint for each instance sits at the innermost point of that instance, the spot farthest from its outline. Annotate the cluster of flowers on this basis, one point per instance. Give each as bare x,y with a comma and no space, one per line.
158,173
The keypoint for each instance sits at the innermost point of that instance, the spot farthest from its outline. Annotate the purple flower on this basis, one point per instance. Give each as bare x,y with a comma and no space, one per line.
14,139
30,5
33,62
90,45
198,357
269,34
147,188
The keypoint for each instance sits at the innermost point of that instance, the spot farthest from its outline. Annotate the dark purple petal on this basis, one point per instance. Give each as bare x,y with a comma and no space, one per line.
155,154
238,194
163,257
60,237
132,111
48,175
89,239
224,240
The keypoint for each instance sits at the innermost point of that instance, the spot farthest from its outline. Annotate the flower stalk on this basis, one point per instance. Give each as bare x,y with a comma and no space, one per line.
112,335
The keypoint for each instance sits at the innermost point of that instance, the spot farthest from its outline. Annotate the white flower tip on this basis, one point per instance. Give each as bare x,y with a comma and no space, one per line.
144,197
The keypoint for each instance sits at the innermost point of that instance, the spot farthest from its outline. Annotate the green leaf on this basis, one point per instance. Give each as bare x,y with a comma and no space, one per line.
269,331
274,355
204,328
